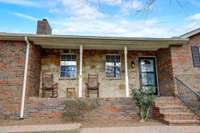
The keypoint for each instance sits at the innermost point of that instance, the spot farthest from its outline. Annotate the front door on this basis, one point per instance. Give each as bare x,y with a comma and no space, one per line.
147,71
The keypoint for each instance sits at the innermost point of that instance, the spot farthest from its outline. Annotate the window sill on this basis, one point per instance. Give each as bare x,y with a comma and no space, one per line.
66,78
113,78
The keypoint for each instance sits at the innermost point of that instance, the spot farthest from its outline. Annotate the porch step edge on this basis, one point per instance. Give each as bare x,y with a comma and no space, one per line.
41,128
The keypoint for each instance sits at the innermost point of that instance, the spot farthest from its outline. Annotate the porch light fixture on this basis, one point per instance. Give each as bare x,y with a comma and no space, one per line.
132,64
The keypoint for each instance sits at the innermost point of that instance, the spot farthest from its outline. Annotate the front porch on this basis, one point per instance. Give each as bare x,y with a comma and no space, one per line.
94,62
122,64
116,76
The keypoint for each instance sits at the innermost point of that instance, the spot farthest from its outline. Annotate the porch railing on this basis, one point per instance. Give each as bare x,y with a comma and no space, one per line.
188,96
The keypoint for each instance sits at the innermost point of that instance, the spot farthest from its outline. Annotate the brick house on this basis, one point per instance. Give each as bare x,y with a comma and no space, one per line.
171,65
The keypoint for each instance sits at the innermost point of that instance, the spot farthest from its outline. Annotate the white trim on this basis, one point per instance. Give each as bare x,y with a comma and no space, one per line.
156,67
67,78
25,79
126,71
191,33
113,78
80,91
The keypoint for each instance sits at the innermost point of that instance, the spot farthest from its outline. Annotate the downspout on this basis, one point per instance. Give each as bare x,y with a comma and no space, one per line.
25,78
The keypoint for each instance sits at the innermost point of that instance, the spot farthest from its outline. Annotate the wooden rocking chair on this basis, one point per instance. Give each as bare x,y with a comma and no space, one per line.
48,85
93,83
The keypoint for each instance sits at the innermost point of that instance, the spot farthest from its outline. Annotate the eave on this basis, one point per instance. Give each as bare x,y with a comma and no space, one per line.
96,42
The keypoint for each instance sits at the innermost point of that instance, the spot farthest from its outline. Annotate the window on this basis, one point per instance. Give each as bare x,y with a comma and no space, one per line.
196,56
68,66
113,66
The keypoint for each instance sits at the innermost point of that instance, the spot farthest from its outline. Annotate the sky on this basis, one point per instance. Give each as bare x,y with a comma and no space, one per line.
129,18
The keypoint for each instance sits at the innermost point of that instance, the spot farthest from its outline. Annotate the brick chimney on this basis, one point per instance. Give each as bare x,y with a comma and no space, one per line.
43,27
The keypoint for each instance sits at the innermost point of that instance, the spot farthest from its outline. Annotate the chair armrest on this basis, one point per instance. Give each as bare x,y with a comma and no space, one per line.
55,85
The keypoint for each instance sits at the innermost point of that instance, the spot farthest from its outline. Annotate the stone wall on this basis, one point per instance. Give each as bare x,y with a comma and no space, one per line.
165,72
94,62
50,62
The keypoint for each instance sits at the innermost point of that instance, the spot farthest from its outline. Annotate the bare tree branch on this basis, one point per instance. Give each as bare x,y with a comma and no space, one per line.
148,4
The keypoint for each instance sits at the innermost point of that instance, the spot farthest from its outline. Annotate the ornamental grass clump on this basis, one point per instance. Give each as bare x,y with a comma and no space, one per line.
144,98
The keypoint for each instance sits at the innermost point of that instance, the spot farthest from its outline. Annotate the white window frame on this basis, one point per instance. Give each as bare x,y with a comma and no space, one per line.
117,78
70,78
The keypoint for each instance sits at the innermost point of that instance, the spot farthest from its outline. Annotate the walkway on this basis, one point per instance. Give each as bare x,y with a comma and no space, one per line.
144,129
41,128
74,128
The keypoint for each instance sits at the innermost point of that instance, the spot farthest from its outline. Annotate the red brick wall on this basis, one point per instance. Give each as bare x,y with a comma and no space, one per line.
165,72
183,63
12,60
177,61
106,108
182,57
34,71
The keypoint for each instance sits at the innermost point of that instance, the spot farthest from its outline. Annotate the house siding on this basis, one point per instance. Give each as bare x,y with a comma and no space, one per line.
165,72
94,62
34,71
183,63
12,59
12,63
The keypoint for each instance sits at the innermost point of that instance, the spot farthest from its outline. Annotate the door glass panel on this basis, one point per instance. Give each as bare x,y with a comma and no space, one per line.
147,65
148,79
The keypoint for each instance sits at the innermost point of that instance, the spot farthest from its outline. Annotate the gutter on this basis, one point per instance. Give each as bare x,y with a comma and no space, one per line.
19,36
25,77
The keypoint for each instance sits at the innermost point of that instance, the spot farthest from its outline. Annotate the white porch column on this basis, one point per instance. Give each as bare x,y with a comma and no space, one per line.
126,71
80,91
25,79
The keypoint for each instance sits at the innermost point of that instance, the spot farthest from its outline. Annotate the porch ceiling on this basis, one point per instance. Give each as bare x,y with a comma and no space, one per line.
96,42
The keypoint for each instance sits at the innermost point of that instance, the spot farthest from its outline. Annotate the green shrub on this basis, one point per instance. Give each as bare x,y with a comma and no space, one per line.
144,98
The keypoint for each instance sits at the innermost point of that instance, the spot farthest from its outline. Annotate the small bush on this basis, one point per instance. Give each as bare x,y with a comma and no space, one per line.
74,109
144,98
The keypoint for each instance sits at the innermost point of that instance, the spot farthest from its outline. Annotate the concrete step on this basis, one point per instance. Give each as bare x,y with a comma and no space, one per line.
171,109
177,102
51,128
174,111
166,98
182,122
180,116
174,100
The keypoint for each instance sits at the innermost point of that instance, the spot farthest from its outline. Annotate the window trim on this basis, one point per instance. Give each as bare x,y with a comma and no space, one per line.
155,70
193,60
67,78
113,78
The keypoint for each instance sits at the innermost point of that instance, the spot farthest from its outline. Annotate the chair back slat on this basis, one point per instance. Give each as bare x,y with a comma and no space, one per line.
92,80
47,80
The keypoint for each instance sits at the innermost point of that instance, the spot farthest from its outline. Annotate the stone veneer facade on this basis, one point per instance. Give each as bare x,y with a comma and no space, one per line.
94,63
